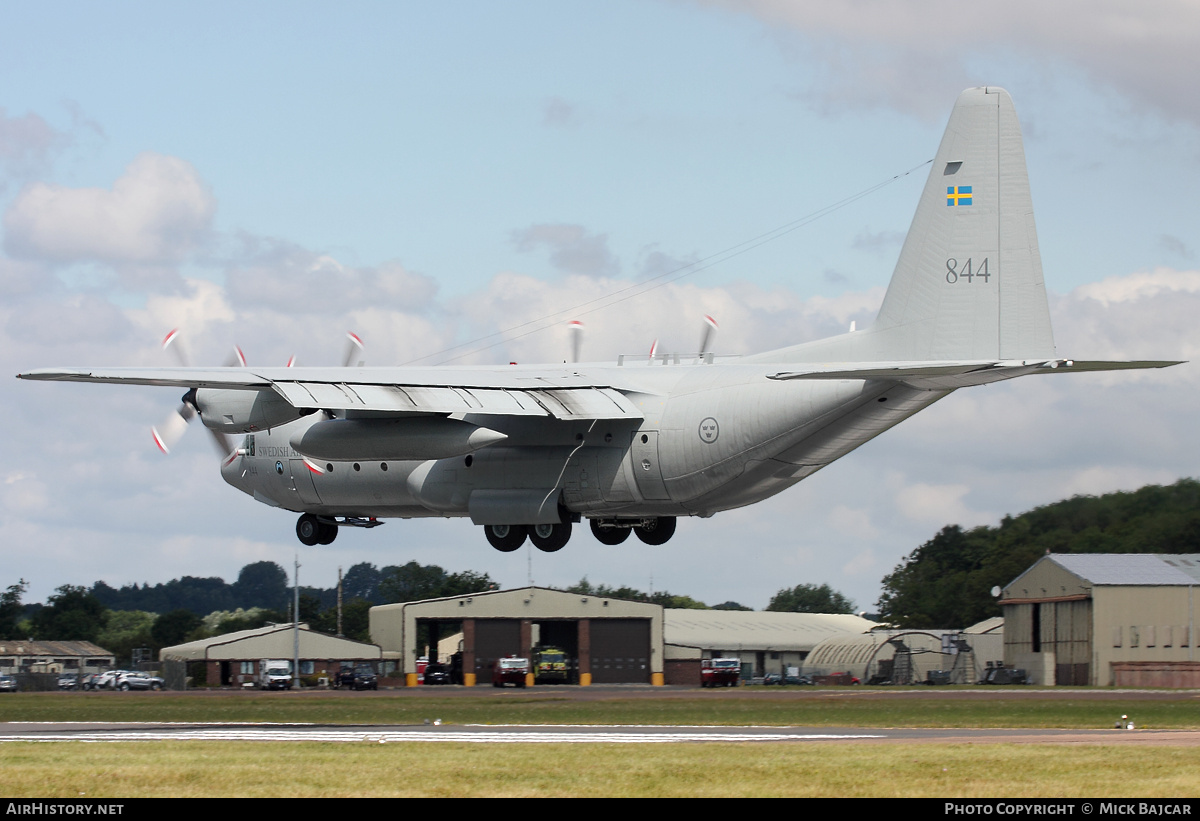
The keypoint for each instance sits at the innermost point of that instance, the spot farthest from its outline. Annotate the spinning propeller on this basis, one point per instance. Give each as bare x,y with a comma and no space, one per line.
175,425
707,335
575,327
169,432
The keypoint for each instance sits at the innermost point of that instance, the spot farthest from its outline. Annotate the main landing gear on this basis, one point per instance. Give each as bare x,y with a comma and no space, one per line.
550,538
653,531
547,538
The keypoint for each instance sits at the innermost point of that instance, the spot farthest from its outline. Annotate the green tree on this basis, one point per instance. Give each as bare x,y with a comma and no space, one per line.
124,630
10,609
361,581
355,620
415,582
946,582
664,598
221,622
262,584
174,628
810,598
74,614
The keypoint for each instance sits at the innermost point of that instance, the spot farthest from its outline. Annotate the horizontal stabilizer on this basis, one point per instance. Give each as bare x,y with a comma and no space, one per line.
951,375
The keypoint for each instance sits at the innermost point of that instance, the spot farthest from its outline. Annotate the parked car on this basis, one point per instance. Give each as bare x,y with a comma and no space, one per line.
361,677
8,684
139,681
109,679
437,674
88,682
68,681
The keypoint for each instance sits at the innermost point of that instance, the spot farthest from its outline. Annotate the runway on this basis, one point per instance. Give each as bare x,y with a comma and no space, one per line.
95,732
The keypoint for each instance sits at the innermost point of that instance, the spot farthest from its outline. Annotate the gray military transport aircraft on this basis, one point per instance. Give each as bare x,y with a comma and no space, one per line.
525,451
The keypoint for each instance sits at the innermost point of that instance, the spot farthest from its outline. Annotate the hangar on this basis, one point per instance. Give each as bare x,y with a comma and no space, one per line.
765,642
1125,620
232,659
895,656
614,641
77,657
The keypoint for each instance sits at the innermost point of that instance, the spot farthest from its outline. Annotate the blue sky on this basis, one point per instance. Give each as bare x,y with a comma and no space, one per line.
274,174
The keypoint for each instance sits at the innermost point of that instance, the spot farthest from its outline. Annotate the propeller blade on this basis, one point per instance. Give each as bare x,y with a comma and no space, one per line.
653,350
236,358
173,427
354,345
575,327
226,450
708,334
171,340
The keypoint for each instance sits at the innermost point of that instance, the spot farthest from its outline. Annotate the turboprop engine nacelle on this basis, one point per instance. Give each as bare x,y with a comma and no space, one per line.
233,411
417,438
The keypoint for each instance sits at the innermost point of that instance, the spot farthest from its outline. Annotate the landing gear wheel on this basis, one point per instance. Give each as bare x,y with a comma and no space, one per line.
308,529
657,531
505,538
326,532
609,535
549,538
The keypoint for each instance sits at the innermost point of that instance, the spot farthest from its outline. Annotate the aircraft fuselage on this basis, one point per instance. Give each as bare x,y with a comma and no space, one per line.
712,437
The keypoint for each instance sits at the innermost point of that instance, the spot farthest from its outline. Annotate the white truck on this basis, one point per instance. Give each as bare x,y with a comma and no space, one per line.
274,674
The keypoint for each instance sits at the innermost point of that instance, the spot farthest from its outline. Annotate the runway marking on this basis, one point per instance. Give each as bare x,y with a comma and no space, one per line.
472,736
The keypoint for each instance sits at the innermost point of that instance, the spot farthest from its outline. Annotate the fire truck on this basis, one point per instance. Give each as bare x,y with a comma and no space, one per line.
720,672
510,670
551,666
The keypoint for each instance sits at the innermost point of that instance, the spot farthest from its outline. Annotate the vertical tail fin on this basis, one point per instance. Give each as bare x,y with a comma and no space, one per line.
968,284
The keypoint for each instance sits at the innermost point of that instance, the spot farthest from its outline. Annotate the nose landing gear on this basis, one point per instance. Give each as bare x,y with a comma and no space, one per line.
312,530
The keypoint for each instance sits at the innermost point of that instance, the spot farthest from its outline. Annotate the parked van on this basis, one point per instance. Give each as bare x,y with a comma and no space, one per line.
274,674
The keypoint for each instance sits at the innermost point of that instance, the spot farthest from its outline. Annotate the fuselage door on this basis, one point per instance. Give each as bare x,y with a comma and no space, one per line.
643,453
302,482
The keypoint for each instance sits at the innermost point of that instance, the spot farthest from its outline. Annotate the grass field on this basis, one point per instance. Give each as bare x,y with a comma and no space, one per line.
804,707
256,769
200,769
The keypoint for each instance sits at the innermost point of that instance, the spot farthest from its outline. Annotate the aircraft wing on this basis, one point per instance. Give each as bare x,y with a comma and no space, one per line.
558,393
951,375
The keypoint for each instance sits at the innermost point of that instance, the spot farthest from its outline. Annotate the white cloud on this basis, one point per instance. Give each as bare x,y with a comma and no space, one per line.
572,249
909,55
932,505
156,213
290,279
27,144
1139,286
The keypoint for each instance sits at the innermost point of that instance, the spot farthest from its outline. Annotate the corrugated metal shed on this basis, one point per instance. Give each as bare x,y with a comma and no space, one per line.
273,641
750,630
1132,568
51,648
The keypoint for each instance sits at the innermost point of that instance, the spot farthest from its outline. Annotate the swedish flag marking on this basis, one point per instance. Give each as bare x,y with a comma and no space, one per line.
958,195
